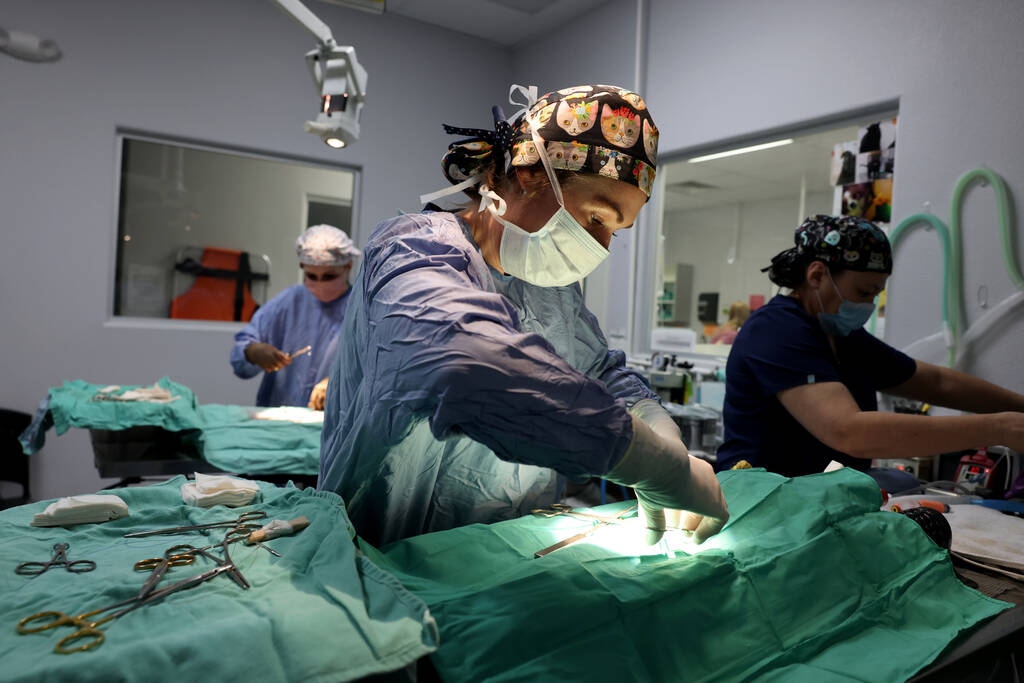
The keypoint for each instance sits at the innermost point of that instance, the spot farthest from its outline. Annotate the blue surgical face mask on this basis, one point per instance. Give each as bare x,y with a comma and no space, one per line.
851,315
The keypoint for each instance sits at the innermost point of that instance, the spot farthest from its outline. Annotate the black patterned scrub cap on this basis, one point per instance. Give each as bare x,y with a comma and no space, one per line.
846,242
599,129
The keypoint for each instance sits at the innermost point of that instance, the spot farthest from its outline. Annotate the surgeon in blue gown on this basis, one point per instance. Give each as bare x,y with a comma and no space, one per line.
469,372
303,315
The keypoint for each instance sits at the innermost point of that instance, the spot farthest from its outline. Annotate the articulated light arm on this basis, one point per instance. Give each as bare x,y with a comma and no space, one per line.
338,75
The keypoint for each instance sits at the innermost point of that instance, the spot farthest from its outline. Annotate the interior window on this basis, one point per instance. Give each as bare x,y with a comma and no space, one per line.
727,213
209,234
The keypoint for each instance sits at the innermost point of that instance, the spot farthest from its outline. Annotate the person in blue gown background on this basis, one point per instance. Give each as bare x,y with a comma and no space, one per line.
303,315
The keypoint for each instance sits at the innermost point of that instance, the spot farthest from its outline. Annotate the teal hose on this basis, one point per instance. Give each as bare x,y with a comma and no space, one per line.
952,249
950,274
1005,217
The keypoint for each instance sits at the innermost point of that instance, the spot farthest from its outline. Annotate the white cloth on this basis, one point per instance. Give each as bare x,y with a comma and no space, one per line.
81,510
153,394
290,414
217,489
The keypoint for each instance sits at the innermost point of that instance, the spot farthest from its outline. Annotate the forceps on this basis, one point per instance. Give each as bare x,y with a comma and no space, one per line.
233,571
60,557
90,629
583,534
556,509
242,522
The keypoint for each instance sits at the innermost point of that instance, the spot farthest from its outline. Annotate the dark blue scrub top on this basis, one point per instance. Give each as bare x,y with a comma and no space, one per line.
782,346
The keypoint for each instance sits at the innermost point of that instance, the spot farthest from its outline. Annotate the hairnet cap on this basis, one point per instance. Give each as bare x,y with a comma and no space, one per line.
325,245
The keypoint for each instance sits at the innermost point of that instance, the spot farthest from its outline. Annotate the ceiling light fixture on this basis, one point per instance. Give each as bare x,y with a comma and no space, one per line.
339,78
741,150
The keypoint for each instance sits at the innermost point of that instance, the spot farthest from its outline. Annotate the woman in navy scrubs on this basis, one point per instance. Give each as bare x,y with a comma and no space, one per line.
802,374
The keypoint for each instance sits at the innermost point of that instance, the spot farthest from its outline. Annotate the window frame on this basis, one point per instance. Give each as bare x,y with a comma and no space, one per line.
113,320
648,257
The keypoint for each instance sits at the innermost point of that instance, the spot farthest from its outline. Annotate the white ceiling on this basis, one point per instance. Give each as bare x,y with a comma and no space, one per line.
774,173
505,22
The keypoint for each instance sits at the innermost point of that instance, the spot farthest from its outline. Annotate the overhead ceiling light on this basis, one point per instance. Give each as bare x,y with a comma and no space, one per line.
741,150
375,6
524,6
28,47
691,187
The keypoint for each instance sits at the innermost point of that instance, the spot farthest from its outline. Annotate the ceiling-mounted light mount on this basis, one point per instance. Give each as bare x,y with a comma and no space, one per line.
339,77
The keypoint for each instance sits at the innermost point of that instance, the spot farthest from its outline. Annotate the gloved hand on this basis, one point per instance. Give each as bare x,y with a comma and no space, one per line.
318,397
667,479
269,358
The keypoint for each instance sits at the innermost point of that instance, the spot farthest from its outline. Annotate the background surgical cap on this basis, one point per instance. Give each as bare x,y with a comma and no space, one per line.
847,242
325,245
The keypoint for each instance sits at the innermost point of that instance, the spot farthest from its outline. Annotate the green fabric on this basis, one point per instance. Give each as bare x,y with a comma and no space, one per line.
322,612
226,436
808,582
72,406
233,441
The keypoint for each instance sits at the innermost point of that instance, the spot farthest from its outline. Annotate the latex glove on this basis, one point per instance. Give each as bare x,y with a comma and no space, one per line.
318,397
657,418
268,357
668,480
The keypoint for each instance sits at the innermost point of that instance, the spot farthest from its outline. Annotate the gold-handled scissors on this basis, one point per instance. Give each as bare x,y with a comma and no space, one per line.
87,628
583,534
245,520
175,556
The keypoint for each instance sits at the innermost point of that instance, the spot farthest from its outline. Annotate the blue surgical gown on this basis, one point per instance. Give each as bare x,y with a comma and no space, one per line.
291,320
459,391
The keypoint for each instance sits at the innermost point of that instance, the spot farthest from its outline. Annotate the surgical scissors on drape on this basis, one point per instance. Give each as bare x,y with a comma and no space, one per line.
60,557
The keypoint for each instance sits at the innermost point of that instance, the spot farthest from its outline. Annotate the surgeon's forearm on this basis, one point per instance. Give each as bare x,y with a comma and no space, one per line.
966,392
958,390
892,435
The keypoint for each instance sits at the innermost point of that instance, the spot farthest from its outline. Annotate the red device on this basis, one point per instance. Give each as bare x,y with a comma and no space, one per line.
979,468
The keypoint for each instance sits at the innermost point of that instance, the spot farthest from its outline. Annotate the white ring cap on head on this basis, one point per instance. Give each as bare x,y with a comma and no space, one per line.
325,245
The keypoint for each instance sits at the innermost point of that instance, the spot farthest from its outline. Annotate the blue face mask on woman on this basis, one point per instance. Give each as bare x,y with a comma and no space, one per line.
851,315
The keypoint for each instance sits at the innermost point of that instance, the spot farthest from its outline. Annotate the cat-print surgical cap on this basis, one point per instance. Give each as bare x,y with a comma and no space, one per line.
599,129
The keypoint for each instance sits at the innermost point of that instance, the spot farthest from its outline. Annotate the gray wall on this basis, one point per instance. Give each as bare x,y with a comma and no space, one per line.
226,72
724,69
703,237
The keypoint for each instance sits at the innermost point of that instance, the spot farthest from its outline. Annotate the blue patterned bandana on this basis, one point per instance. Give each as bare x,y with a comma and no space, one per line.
846,242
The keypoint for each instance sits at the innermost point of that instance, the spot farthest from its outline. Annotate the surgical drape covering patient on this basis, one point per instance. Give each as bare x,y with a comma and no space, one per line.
459,391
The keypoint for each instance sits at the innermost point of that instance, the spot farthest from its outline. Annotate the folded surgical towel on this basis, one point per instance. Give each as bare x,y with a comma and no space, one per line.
81,510
217,489
153,394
